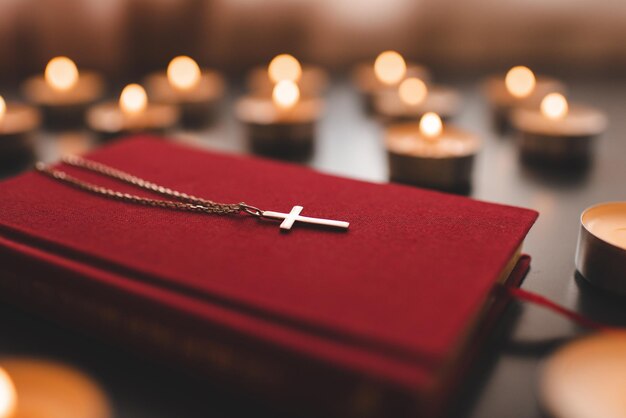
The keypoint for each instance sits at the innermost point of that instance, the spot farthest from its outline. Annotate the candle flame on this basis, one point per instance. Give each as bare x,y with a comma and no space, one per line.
3,108
286,94
61,73
520,81
390,67
8,395
133,99
412,91
284,67
183,73
554,106
431,125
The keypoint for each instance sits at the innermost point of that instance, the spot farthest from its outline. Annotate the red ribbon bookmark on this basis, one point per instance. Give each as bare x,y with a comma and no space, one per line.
539,300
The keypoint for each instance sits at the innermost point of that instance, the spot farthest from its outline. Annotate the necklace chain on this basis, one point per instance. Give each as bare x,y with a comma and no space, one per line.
178,200
182,201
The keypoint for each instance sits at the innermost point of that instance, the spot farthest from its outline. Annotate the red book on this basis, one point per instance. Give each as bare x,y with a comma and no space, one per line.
375,321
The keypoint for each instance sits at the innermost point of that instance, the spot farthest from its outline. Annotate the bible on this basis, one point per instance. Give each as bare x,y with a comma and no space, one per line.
377,320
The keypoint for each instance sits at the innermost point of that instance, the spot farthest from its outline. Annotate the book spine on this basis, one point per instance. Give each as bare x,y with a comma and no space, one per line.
285,379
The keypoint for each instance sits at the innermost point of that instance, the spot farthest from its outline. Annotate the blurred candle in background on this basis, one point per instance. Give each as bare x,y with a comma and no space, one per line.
554,106
413,98
520,81
312,80
431,126
132,113
133,100
520,87
183,73
286,94
196,91
412,91
284,67
429,154
385,74
557,133
389,68
63,93
17,124
61,74
282,125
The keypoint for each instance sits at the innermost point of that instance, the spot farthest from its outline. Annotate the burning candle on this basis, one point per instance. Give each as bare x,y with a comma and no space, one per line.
385,73
131,114
282,125
389,68
17,123
284,67
63,93
518,88
311,80
429,154
557,132
413,98
42,389
601,252
197,91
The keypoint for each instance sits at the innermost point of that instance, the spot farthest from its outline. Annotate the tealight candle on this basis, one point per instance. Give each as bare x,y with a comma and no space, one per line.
17,122
430,155
283,124
385,73
311,80
518,88
43,389
63,93
557,132
601,252
131,114
413,98
197,91
586,378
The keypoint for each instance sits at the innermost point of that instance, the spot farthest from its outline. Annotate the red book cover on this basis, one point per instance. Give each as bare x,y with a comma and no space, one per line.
363,322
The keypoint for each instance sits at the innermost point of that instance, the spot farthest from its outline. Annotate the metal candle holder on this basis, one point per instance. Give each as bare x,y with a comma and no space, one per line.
601,262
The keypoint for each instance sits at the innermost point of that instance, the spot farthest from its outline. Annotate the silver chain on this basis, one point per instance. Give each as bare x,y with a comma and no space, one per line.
182,201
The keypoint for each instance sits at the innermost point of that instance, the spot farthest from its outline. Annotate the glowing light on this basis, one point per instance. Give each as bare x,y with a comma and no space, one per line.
8,396
133,99
3,108
412,91
183,73
61,73
284,67
286,94
390,67
554,106
431,125
520,81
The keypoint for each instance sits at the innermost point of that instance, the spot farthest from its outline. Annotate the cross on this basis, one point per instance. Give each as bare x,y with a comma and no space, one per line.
294,215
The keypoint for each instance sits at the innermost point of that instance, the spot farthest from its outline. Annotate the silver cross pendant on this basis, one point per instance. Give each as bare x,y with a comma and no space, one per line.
288,219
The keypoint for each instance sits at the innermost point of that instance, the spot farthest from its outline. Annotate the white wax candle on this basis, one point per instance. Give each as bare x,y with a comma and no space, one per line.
444,142
607,222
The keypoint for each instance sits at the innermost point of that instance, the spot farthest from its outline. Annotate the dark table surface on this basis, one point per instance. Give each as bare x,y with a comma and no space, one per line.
504,381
